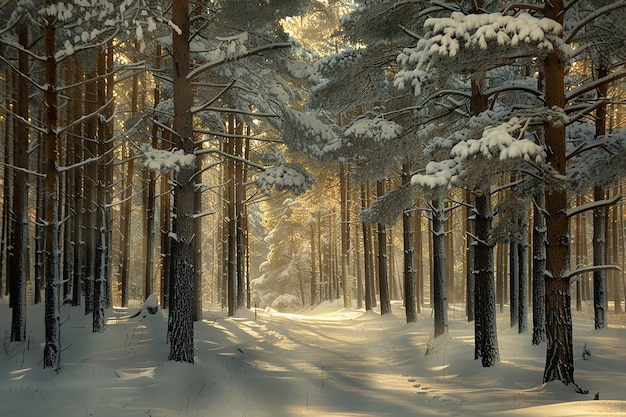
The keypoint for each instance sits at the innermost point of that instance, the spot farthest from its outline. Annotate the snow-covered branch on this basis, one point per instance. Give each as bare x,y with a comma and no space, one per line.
466,33
79,164
24,170
577,272
592,16
166,160
214,64
585,88
593,205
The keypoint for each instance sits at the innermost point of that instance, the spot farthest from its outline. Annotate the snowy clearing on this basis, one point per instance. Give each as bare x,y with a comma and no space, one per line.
324,362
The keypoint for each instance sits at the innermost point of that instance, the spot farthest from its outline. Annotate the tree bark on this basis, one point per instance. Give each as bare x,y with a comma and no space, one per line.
485,329
100,224
522,277
150,208
600,290
240,196
439,301
19,262
410,302
560,350
52,347
469,258
345,235
383,281
539,269
368,267
181,307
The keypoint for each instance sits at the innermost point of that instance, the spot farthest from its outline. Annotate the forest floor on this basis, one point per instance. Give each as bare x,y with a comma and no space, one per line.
327,361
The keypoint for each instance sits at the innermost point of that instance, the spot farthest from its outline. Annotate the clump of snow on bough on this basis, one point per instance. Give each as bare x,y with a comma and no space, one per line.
166,160
291,177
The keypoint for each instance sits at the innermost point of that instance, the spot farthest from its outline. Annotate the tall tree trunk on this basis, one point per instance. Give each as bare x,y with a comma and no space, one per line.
150,207
20,200
166,226
181,308
486,337
78,186
409,252
126,230
439,301
600,290
101,252
231,233
513,281
368,267
313,280
345,235
52,347
560,349
617,290
522,276
485,328
383,280
240,196
419,262
469,258
109,121
39,229
539,268
91,184
197,242
6,192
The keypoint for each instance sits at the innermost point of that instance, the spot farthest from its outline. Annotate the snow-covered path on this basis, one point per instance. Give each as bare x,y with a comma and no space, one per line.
329,362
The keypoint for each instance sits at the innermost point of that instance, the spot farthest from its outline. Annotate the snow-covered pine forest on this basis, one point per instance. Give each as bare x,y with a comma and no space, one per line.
312,207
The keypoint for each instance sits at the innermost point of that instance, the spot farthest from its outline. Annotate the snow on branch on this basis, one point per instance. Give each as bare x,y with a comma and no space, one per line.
497,142
288,176
449,35
377,129
307,134
165,160
593,205
599,161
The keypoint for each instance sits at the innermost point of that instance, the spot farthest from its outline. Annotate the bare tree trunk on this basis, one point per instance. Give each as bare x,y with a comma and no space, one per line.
514,301
78,186
485,327
240,196
150,207
126,229
600,290
231,235
539,268
345,235
560,349
52,347
469,258
166,226
617,293
410,301
181,308
522,276
101,252
486,336
439,301
20,200
197,242
383,280
39,229
6,192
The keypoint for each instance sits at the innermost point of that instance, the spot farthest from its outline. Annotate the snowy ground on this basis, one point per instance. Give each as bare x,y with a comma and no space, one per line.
324,362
